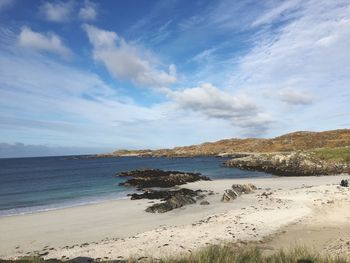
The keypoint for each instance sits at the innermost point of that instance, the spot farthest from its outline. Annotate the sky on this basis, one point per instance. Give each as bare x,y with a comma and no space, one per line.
90,76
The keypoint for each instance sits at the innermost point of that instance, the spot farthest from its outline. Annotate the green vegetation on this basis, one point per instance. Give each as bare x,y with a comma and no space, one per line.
229,254
341,154
225,254
31,260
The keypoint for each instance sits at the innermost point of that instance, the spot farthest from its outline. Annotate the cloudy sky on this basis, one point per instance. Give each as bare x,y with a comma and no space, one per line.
92,76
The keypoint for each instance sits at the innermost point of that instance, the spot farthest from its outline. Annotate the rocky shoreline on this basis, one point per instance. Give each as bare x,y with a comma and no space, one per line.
120,229
170,195
146,180
298,163
292,154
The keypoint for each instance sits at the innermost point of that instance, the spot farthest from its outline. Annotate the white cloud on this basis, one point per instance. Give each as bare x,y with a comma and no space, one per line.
48,42
204,55
281,11
296,97
88,11
46,102
57,11
190,22
239,110
65,11
125,61
101,38
242,15
51,99
308,53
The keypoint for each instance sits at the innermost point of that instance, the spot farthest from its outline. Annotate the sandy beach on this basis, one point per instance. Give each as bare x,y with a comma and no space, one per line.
282,212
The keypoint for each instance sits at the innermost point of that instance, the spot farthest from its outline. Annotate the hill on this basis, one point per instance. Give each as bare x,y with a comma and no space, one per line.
301,140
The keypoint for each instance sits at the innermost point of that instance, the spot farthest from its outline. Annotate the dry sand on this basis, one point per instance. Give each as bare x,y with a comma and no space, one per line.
302,210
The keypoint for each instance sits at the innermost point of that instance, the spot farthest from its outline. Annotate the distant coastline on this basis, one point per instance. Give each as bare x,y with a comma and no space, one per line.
293,154
300,140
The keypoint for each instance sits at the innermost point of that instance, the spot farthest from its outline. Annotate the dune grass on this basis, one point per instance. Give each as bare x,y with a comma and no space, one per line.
31,260
224,254
229,254
340,154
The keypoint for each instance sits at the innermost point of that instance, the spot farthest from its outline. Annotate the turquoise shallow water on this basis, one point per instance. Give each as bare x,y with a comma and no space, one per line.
45,183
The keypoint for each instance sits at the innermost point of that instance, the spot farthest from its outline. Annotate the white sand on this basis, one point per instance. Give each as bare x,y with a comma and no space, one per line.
118,229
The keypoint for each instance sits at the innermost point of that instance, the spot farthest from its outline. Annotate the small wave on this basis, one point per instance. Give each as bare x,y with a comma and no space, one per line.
62,205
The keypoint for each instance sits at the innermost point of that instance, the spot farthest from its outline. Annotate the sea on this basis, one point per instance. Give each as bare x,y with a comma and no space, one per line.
29,185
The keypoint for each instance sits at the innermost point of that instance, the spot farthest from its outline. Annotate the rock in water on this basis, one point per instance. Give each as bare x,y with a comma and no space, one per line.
148,178
159,178
237,190
204,203
164,195
344,183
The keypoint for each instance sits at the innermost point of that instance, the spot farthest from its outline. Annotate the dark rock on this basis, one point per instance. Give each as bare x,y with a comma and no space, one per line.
81,260
243,188
164,194
237,190
200,197
266,194
158,178
344,183
229,195
176,201
305,261
204,203
172,199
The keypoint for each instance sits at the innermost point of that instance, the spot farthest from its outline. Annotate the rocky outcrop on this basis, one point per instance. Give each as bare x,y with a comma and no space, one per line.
158,178
289,164
301,140
237,190
243,188
164,195
155,178
176,201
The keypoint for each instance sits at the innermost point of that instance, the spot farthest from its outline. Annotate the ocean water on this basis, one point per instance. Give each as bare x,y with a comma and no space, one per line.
39,184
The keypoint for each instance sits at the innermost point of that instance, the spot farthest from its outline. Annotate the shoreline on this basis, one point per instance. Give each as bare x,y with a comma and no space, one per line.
92,200
96,199
121,228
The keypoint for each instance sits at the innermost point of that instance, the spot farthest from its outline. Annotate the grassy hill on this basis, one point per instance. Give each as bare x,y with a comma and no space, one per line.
301,140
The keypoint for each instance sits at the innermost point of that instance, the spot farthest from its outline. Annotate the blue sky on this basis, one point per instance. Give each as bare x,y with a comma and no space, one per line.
93,76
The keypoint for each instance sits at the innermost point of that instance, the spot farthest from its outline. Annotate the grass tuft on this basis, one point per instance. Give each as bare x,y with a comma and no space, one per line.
224,254
341,154
30,260
229,254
